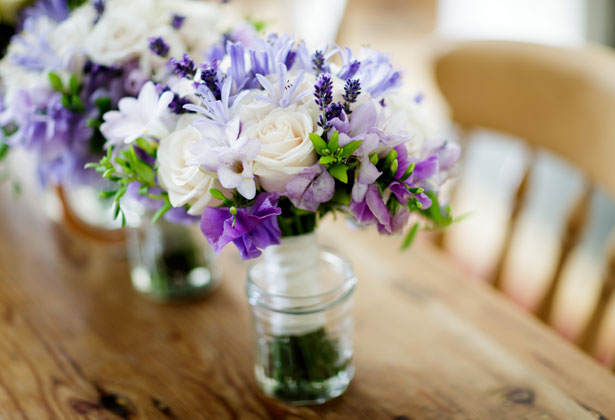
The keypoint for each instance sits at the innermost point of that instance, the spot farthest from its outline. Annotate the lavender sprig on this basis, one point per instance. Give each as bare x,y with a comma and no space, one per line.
158,46
352,90
323,91
184,68
319,62
209,76
177,21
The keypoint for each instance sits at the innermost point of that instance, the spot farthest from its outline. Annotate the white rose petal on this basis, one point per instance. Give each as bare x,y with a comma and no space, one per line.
186,184
286,148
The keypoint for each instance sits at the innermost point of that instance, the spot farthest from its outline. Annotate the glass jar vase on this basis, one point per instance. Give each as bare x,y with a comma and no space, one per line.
301,299
171,261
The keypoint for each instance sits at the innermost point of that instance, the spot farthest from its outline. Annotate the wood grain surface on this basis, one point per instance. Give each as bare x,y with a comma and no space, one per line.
76,342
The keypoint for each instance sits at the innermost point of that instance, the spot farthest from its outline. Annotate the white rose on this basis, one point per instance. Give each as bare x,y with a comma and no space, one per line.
120,34
420,125
200,28
286,148
186,184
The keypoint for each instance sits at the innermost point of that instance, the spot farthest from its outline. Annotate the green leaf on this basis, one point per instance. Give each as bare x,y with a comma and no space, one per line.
217,194
341,197
350,148
4,149
161,211
340,172
107,194
325,160
103,104
143,190
66,102
120,193
73,84
56,82
144,171
91,165
77,103
409,238
146,146
319,143
334,141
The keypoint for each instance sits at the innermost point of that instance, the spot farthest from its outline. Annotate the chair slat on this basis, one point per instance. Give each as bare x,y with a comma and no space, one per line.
576,223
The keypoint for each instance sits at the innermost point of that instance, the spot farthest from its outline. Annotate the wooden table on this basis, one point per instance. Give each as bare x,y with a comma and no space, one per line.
76,342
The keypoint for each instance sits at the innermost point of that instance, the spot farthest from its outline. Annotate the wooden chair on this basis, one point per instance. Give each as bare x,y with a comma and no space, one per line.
557,99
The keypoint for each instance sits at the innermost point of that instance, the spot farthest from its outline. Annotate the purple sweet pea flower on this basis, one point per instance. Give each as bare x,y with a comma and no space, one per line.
312,187
251,229
372,209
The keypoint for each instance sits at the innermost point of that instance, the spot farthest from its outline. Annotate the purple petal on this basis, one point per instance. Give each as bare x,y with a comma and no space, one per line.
313,186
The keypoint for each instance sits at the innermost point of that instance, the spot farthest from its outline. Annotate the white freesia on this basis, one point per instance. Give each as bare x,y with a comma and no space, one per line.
185,183
286,148
148,115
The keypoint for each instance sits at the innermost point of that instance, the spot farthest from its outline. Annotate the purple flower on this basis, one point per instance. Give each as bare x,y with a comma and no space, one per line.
53,9
323,91
184,67
285,92
209,76
99,7
376,73
158,46
352,90
319,62
371,210
177,21
250,229
312,187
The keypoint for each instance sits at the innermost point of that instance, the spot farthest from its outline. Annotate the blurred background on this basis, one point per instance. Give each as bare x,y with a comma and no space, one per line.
538,221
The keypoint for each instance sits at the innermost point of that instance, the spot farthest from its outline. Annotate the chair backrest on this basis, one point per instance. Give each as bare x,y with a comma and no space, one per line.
557,99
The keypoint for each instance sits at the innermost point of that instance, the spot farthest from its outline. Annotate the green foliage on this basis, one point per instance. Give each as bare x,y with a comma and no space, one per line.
409,238
124,169
259,25
73,4
4,149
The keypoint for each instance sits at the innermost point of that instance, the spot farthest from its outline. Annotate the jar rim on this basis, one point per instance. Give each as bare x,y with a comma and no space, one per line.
258,296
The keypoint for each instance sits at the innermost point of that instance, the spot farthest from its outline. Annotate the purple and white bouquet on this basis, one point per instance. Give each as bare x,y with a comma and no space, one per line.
72,61
264,138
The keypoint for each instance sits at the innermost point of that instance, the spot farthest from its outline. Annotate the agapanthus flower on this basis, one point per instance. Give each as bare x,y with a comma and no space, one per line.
249,228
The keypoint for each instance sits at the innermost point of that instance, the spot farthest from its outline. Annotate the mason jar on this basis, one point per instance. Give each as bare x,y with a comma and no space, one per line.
301,297
171,261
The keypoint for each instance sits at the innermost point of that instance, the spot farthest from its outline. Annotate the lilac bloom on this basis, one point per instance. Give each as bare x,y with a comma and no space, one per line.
310,188
251,229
